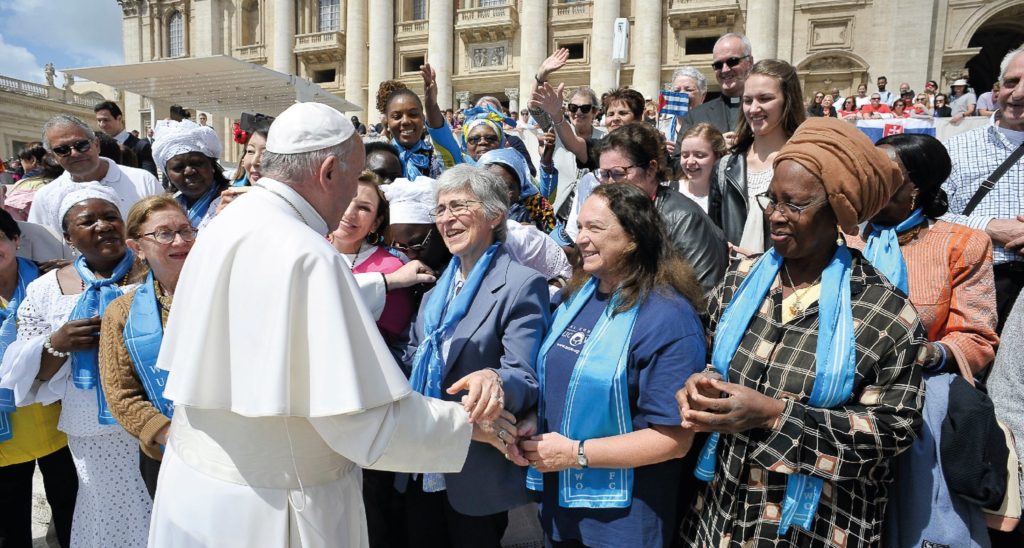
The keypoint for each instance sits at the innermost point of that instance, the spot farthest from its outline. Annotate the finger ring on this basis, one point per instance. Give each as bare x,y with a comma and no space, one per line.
507,457
501,435
495,396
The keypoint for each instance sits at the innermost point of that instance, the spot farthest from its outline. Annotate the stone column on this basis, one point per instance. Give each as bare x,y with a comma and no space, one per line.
603,70
513,99
356,55
533,40
463,98
441,48
205,37
646,47
763,28
284,36
382,51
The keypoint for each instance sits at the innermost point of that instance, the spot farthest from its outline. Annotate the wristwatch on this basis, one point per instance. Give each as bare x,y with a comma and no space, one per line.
581,457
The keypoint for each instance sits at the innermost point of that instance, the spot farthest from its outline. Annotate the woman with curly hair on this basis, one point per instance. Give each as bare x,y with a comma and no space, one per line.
407,120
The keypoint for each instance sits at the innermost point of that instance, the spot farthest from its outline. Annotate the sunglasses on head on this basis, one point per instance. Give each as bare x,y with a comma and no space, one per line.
731,62
82,146
585,109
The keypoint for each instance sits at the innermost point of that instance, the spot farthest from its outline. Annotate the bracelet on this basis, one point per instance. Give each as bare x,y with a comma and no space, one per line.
940,364
385,278
53,351
501,382
538,80
558,123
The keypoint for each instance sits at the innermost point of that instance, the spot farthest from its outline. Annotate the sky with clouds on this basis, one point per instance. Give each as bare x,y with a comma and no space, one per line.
67,33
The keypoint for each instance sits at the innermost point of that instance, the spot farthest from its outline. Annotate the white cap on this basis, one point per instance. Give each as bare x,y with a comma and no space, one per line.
87,191
960,82
305,127
173,138
410,202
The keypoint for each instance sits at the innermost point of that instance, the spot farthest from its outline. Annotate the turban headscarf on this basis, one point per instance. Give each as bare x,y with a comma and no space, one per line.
172,138
511,158
89,191
410,202
858,177
485,115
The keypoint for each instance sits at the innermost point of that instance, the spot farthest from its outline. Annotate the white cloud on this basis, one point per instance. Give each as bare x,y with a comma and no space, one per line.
67,32
18,62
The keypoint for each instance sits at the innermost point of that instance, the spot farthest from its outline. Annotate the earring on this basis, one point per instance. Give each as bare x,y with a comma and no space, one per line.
840,241
913,200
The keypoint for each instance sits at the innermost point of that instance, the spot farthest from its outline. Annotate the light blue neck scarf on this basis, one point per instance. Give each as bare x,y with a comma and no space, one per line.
596,401
27,272
414,162
99,292
442,312
834,370
202,205
883,249
143,333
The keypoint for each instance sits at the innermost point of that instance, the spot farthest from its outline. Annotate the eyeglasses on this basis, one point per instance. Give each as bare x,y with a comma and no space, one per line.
585,109
166,237
615,174
454,207
415,248
873,99
730,62
768,204
475,140
82,146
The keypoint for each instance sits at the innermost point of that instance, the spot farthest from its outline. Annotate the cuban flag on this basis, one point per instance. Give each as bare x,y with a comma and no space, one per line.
876,129
673,103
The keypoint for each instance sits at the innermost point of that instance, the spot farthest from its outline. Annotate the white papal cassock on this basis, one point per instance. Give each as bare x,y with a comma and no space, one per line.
283,387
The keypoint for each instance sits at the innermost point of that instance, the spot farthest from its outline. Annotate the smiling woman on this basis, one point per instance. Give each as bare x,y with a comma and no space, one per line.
187,154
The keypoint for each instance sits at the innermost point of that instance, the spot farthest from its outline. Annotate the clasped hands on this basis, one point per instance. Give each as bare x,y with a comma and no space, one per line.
707,403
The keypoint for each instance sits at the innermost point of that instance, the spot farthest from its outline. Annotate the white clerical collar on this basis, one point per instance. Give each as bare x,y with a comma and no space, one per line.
732,100
294,201
121,137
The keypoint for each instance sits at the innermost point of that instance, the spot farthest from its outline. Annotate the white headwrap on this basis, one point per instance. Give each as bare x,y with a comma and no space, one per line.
87,191
172,138
410,202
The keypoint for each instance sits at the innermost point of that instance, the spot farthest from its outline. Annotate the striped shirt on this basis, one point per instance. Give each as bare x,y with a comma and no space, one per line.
976,154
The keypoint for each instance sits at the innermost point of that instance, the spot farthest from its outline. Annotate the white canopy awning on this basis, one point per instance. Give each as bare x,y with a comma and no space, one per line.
219,85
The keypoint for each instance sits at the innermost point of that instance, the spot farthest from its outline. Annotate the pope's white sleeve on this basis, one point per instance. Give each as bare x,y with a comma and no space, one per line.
413,434
372,289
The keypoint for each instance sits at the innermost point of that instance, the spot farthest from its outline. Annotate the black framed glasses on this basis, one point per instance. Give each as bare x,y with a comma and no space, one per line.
731,62
475,139
166,236
82,147
454,207
615,174
585,109
414,248
768,204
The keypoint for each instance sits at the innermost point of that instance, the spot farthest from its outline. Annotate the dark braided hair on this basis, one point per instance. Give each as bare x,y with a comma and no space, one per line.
389,90
928,166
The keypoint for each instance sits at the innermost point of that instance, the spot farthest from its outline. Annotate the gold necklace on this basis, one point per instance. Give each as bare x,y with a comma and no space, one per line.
164,299
797,305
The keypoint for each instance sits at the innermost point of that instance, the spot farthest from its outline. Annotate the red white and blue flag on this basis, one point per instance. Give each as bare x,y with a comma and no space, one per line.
876,129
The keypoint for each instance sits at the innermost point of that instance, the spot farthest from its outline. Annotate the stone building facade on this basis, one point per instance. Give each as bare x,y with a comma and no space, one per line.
493,47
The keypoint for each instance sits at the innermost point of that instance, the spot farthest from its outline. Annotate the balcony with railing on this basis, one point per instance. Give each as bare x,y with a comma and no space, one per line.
699,14
410,31
571,12
487,24
321,47
41,91
254,53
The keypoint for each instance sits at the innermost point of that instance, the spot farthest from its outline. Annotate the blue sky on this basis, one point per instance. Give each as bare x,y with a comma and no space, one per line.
67,33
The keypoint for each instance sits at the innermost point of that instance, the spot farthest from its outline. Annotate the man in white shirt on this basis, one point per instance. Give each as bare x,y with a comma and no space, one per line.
282,384
75,147
111,121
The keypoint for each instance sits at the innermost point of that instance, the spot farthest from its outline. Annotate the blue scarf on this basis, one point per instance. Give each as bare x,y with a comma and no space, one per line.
596,402
414,162
443,311
99,292
883,249
143,333
202,205
834,368
27,272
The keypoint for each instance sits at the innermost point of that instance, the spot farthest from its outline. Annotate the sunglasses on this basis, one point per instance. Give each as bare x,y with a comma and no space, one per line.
585,109
730,62
475,140
82,146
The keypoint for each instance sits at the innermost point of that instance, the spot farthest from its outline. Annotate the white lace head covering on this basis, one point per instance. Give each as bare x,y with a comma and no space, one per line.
410,202
172,138
88,191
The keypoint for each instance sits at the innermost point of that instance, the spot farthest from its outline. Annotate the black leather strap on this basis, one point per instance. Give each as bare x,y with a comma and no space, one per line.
988,184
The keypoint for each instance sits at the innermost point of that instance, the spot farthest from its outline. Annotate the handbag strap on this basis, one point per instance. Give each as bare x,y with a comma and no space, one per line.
990,183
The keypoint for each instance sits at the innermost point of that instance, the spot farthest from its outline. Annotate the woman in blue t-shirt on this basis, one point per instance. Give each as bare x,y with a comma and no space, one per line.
625,338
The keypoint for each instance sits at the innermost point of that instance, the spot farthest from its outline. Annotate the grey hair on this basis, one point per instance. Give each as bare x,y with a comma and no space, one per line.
486,186
584,90
489,99
747,49
692,72
294,168
1005,65
66,120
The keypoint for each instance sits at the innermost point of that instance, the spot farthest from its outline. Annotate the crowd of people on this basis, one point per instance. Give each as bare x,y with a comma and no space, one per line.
745,325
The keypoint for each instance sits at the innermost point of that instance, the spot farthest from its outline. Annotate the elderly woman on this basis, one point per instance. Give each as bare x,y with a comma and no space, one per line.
528,206
691,81
608,423
55,358
28,435
483,131
160,234
946,269
478,328
187,154
814,353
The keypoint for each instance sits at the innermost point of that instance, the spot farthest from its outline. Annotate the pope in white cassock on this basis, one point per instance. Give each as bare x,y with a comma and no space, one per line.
282,384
